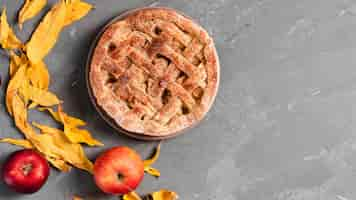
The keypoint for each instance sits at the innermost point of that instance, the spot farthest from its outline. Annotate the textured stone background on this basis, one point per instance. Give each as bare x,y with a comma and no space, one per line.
282,127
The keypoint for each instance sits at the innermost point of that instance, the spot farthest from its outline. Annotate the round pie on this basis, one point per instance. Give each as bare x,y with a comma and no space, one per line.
154,72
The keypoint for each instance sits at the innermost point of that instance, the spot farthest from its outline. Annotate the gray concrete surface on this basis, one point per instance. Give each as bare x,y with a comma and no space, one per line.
282,127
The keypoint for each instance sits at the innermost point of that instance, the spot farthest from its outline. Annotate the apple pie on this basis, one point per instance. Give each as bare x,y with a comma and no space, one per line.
154,72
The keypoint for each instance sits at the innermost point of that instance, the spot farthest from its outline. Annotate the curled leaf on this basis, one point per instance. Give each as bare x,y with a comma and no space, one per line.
74,134
72,121
46,129
152,171
59,164
30,9
32,105
164,195
76,9
47,33
54,143
14,85
24,91
38,75
39,96
147,163
131,196
8,39
18,142
155,156
16,61
20,116
78,136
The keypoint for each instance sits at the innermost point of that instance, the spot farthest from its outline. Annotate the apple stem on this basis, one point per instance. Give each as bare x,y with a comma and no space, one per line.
27,168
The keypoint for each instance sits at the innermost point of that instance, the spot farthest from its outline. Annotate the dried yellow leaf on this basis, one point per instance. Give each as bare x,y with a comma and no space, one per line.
147,163
56,143
72,121
155,156
46,129
25,92
32,105
39,96
76,9
74,134
59,164
38,75
164,195
131,196
43,97
30,9
47,33
20,116
8,39
152,171
14,85
15,62
18,142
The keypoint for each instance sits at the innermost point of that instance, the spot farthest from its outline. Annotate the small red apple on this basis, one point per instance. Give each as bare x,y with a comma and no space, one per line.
118,170
25,171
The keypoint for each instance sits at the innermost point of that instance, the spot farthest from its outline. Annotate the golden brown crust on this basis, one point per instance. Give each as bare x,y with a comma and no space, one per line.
154,72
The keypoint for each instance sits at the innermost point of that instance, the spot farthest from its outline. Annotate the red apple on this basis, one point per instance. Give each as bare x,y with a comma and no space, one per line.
25,171
118,170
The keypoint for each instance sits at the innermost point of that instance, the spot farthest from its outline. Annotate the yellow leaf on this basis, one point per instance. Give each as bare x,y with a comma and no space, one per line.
24,91
46,34
131,196
147,163
15,62
30,9
20,116
73,153
72,121
32,105
38,75
155,156
39,96
74,134
54,141
164,195
14,85
4,27
76,9
59,164
46,129
8,39
18,142
152,171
